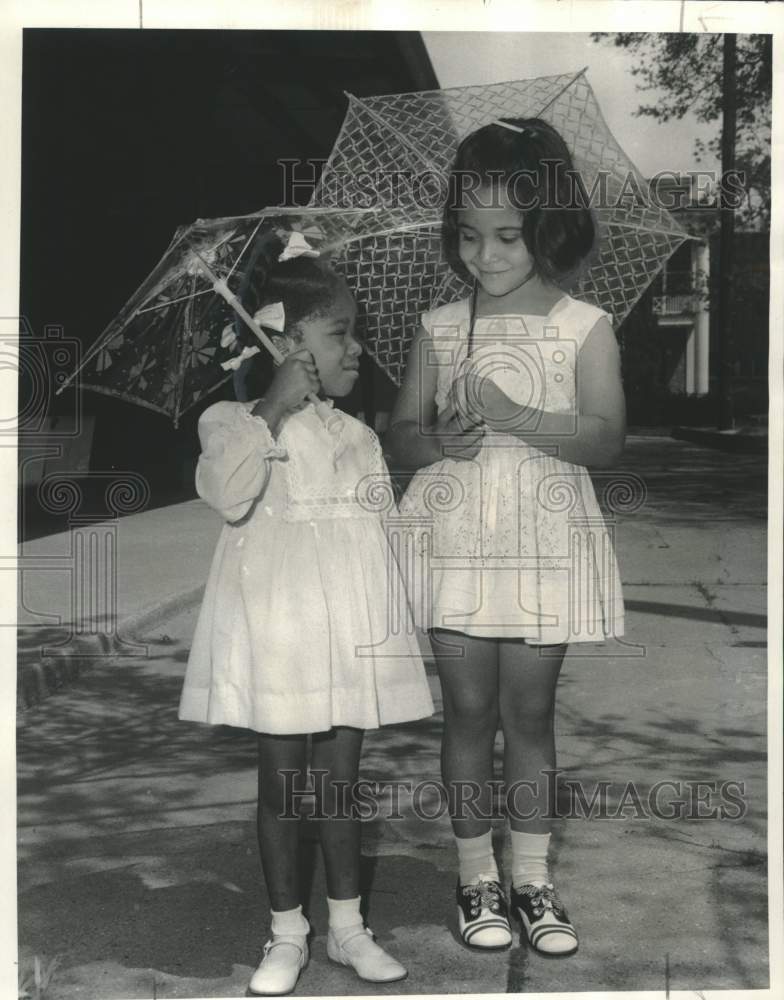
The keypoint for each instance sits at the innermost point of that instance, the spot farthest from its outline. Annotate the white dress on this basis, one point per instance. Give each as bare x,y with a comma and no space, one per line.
513,543
304,624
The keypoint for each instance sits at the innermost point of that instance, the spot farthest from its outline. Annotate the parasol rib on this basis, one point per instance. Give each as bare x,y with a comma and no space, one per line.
563,90
405,143
241,253
184,341
171,302
136,400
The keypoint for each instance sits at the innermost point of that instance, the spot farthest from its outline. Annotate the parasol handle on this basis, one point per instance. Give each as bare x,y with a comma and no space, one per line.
329,417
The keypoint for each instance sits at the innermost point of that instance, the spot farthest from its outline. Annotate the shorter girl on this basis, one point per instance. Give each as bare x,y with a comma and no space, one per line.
292,638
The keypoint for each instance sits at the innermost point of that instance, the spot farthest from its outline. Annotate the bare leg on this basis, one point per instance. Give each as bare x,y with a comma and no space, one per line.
279,837
337,752
527,683
469,684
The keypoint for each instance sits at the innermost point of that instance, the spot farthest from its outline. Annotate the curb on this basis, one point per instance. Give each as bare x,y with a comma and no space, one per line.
153,614
744,443
37,680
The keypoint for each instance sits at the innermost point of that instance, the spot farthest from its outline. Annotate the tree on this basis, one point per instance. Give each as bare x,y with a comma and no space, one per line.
686,70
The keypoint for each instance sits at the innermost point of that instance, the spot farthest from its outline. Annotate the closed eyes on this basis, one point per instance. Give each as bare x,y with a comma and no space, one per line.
507,239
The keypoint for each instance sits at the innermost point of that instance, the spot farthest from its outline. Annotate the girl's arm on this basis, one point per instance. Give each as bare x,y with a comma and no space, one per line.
596,437
238,443
234,465
416,437
407,441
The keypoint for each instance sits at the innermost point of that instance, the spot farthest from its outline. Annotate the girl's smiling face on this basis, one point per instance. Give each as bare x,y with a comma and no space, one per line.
490,244
329,336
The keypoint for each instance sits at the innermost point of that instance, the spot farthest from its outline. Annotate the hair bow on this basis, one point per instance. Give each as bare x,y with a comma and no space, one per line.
228,337
273,316
234,363
297,246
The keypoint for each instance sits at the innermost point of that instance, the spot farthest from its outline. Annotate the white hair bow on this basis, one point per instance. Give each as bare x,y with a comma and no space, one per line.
273,316
297,246
234,363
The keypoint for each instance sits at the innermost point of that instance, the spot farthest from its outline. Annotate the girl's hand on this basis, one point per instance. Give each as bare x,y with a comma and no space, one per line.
456,436
480,401
464,399
293,381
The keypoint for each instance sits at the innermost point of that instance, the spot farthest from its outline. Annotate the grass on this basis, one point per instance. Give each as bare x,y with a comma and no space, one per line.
36,977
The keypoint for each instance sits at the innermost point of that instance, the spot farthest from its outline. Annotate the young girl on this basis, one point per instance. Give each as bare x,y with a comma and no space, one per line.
507,396
292,638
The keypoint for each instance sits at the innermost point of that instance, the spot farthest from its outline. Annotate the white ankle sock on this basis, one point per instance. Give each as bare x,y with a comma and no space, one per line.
529,858
289,922
343,913
475,857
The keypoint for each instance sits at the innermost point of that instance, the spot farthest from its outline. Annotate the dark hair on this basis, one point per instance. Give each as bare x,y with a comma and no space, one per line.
535,170
307,287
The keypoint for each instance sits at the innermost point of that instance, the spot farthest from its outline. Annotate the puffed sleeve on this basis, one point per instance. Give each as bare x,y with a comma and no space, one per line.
236,449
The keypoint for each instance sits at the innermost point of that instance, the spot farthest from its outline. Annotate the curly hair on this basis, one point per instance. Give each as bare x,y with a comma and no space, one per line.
307,287
534,168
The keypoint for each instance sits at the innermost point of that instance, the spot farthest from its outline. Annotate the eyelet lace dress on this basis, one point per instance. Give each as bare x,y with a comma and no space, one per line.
512,543
295,633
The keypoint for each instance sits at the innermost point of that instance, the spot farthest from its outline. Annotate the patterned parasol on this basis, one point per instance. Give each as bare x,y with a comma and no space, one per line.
163,351
376,215
394,153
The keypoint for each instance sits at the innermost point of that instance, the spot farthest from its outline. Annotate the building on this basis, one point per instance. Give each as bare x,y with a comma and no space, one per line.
670,340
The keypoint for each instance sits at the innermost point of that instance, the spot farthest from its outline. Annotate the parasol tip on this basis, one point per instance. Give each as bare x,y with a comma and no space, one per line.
330,417
334,423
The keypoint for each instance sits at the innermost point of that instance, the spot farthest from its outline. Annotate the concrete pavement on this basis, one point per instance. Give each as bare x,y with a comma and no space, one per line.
137,857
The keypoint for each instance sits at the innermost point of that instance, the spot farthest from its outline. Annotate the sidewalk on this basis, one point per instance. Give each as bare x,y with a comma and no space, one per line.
137,857
750,441
162,558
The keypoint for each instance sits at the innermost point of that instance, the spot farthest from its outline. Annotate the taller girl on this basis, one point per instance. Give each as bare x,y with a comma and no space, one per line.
508,395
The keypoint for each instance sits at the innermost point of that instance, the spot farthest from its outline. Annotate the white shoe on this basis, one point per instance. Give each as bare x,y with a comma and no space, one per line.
359,952
285,956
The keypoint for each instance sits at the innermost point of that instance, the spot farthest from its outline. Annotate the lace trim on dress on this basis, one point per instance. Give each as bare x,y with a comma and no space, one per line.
346,493
267,443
